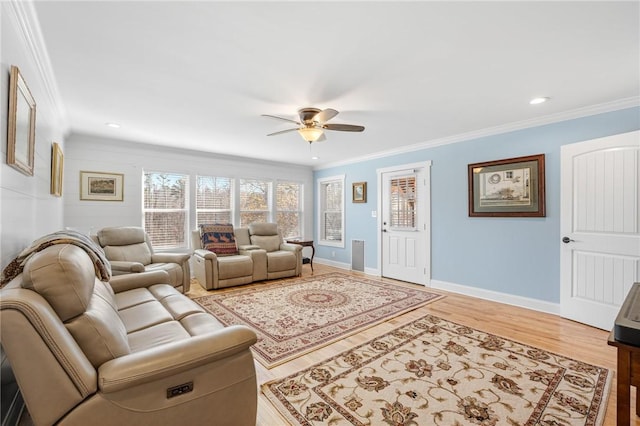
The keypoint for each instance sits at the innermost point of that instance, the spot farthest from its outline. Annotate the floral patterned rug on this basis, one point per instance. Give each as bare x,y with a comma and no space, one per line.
295,316
436,372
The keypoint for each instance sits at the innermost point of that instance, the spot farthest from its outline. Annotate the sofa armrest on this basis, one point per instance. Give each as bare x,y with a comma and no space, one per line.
173,358
126,282
248,247
178,258
291,247
205,254
125,267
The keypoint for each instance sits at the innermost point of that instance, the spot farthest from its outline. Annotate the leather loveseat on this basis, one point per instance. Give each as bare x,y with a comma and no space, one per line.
130,351
262,255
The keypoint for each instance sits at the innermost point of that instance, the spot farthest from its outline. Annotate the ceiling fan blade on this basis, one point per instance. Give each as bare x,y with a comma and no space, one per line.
281,118
343,127
282,131
325,115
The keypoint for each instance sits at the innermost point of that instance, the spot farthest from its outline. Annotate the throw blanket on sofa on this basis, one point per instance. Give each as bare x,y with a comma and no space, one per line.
95,252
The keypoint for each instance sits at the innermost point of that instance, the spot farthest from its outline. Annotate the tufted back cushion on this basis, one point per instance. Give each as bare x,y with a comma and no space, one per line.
132,253
265,235
64,276
121,236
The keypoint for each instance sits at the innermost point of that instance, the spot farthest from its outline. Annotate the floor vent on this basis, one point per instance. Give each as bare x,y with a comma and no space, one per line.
357,255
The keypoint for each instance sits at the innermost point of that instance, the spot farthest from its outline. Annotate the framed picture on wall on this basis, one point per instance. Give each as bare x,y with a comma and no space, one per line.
57,167
101,186
21,137
512,187
359,192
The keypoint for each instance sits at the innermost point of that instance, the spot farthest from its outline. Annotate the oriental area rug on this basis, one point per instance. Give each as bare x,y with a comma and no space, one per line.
295,316
435,372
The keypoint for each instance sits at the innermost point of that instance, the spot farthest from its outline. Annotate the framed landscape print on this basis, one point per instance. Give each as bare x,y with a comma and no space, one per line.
101,186
21,134
512,187
359,192
57,167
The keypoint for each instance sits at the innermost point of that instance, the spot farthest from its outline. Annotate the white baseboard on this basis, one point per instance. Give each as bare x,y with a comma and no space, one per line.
347,266
340,265
495,296
480,293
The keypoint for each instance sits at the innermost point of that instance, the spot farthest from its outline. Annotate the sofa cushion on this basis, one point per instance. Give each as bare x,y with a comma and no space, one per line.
268,242
218,238
281,261
234,267
160,334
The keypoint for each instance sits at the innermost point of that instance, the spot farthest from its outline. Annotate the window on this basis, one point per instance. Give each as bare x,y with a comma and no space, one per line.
402,209
288,209
214,200
254,201
166,213
331,211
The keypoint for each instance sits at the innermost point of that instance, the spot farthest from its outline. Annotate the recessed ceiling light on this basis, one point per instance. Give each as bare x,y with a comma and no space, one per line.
536,101
315,158
114,125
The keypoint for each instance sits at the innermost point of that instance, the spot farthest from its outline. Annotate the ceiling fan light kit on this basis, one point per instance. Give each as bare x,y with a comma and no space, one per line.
310,134
313,123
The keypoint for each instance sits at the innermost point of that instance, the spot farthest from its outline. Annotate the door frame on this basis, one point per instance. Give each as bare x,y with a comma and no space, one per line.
426,165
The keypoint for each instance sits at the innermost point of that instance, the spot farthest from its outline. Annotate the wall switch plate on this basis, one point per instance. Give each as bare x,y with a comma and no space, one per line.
374,213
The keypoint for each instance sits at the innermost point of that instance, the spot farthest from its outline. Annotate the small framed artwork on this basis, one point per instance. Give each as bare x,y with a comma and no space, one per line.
57,168
101,186
21,135
512,187
359,192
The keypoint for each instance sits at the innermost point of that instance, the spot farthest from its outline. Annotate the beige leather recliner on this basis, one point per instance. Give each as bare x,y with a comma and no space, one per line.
282,259
127,352
129,251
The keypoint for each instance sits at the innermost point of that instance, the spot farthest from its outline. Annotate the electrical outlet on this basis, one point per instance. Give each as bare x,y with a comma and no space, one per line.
333,254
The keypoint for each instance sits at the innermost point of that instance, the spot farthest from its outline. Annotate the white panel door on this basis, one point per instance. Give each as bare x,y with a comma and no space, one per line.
405,236
600,227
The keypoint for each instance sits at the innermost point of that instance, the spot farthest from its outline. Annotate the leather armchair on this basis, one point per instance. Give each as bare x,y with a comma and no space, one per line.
282,259
130,351
129,251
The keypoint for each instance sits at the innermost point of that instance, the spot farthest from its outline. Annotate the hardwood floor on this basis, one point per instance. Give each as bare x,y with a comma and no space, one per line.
542,330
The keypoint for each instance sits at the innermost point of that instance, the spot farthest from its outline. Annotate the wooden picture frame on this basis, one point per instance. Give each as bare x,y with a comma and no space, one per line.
57,169
359,192
512,187
101,186
21,128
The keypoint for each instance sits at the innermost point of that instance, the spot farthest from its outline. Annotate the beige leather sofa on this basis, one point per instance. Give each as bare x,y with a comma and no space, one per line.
132,351
129,250
262,255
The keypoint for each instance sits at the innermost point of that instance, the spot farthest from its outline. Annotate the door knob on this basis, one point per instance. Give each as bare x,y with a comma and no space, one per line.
567,240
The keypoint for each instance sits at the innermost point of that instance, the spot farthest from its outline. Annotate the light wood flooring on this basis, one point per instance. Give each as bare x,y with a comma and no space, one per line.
538,329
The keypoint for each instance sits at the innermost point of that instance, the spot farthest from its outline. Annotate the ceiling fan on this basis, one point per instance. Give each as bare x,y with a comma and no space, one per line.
313,122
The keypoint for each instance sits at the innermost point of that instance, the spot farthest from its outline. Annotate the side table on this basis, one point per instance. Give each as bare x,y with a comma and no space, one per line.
305,243
628,375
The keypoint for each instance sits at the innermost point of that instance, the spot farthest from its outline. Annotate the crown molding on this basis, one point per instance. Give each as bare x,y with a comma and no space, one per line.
25,17
496,130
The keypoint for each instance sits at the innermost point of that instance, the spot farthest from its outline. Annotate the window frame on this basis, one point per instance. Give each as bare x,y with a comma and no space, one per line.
299,211
232,198
321,210
186,209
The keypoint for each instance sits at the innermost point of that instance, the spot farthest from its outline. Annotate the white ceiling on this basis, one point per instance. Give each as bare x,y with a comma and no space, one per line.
198,75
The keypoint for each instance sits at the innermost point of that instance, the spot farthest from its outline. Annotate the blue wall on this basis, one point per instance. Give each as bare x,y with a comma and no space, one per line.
518,256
